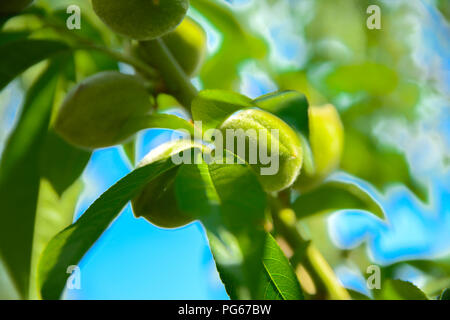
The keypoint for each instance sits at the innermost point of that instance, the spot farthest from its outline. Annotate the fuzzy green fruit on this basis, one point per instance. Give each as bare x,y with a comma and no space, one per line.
187,43
94,113
13,6
326,135
326,140
157,203
289,154
141,19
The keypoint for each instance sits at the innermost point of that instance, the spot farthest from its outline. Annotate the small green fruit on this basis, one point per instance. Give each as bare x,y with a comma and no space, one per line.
326,135
141,19
187,43
157,203
13,6
94,113
289,154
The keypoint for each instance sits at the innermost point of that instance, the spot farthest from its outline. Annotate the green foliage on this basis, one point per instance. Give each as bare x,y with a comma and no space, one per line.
69,246
333,195
399,290
229,201
242,210
19,178
445,295
61,163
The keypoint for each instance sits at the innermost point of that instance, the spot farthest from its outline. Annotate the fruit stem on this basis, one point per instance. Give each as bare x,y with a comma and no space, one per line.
305,252
176,81
85,44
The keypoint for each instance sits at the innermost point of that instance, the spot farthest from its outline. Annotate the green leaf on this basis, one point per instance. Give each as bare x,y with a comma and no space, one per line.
280,281
19,178
54,213
399,290
61,163
161,121
380,166
212,107
68,247
445,295
12,36
228,58
336,194
291,106
375,79
230,203
17,56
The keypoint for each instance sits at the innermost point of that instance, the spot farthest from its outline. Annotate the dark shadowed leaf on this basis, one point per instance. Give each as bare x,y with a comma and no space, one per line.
222,69
291,106
19,178
445,295
212,107
19,55
61,163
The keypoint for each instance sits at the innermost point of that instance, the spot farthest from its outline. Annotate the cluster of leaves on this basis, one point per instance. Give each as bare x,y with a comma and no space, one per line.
245,222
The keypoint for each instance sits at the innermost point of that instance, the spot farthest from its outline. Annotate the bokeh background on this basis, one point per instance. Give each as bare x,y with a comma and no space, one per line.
400,97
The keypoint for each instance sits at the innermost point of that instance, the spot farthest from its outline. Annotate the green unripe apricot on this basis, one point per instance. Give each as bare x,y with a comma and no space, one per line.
141,19
326,140
157,203
13,6
289,153
326,136
94,113
187,43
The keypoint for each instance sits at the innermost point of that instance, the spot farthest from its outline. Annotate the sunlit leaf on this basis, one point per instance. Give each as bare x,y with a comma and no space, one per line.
378,165
19,178
54,213
445,295
291,106
225,62
212,107
280,281
19,55
61,163
230,203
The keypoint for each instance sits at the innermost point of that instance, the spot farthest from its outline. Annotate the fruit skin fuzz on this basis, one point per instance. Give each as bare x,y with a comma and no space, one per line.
96,110
141,19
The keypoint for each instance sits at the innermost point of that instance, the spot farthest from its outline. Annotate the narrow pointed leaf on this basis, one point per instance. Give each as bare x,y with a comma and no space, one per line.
336,194
230,203
280,281
68,247
19,178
